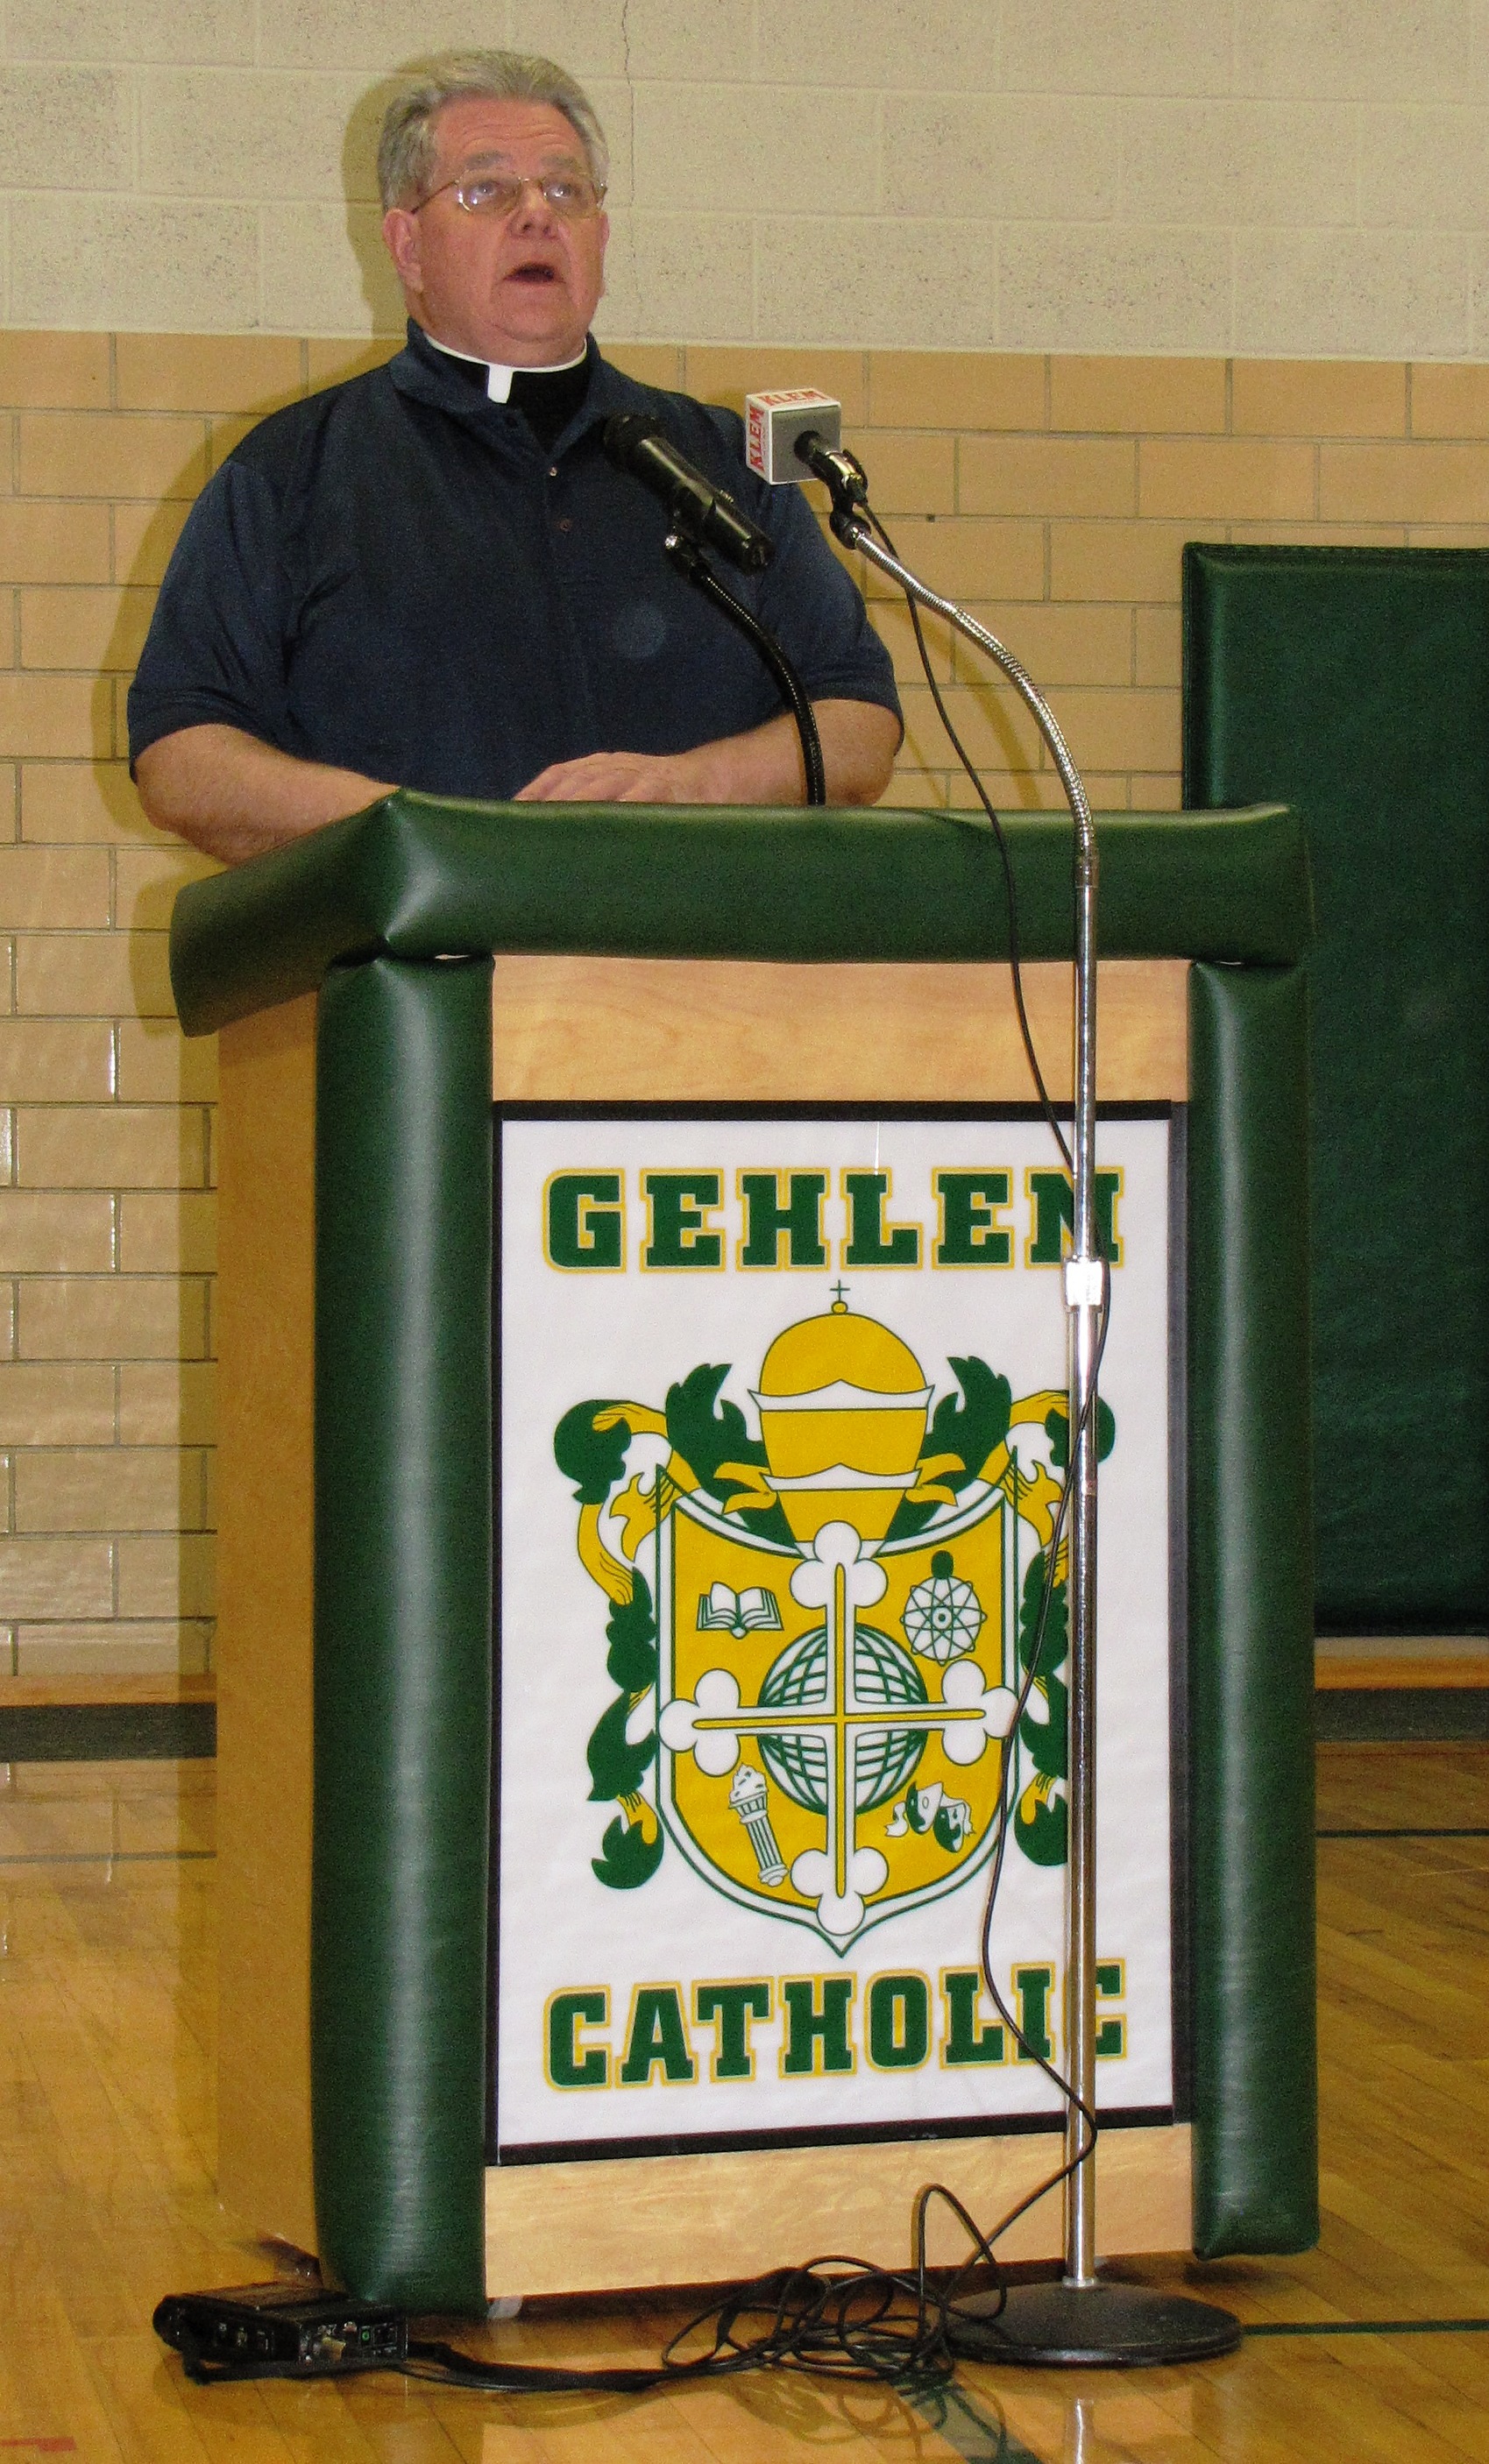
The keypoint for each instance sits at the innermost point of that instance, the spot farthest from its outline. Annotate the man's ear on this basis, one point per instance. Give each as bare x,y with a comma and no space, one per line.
401,238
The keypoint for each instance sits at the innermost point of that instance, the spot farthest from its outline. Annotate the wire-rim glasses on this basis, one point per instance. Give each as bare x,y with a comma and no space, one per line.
572,195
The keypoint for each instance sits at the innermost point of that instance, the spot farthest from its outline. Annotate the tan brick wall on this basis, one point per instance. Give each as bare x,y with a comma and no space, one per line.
1052,494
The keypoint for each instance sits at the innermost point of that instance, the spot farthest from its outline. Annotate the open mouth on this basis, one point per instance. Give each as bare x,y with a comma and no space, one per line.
533,272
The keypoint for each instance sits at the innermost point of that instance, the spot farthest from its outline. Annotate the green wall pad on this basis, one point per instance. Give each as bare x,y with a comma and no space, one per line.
1354,682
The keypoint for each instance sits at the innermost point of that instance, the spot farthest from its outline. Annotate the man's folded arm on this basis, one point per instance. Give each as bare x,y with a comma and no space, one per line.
234,797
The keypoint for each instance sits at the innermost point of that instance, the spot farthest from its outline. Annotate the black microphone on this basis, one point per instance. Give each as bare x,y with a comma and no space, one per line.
708,515
842,472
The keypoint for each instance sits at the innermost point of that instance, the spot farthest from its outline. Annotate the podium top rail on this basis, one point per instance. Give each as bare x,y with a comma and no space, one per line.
417,877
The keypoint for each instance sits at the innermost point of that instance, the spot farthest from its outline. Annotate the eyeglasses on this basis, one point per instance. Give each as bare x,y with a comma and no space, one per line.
572,195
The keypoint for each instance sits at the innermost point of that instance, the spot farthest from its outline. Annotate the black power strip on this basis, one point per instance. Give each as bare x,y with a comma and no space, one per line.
255,2331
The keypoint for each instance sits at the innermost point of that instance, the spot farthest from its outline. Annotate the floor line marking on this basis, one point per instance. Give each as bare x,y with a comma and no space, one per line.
1372,2327
1403,1833
119,1857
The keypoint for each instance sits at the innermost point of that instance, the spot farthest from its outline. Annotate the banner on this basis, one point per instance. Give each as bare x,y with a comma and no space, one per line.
782,1432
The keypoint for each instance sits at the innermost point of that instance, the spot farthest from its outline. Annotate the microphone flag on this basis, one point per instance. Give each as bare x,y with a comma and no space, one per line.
774,423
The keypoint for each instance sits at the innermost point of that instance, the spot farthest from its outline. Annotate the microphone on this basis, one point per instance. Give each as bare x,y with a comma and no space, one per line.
707,515
798,431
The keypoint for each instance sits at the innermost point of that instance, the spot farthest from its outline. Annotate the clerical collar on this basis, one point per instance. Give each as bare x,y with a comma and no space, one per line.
498,379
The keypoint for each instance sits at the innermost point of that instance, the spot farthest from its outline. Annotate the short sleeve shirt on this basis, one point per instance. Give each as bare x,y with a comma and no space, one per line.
395,577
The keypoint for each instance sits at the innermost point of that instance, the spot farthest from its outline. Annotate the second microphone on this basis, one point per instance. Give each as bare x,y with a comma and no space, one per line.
638,444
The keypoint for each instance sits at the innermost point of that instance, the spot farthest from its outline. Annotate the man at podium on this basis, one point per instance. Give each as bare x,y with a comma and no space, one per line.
431,577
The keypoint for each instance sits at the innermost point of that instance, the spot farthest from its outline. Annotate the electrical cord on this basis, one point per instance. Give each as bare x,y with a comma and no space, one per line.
690,561
838,2317
1032,2053
834,2317
1000,840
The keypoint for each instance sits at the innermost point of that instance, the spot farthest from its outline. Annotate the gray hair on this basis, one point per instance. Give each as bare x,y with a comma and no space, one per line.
406,152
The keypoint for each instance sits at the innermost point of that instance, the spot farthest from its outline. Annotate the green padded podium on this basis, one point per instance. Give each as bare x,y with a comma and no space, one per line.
376,938
1354,682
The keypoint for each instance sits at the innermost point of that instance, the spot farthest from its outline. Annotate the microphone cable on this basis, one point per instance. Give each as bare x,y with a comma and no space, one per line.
837,2317
1066,2088
1000,840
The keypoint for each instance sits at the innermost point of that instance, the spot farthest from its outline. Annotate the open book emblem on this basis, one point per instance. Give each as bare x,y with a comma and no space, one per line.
753,1611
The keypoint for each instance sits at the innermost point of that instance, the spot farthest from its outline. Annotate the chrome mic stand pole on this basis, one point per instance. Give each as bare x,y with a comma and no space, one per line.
1080,2320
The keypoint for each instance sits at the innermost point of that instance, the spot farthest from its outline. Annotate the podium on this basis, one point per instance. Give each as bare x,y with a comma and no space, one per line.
378,987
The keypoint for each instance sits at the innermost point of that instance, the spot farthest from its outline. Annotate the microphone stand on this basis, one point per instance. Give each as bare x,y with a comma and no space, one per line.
1080,2321
690,561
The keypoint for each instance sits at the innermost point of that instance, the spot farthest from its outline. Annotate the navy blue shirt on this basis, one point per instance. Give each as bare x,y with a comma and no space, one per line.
395,577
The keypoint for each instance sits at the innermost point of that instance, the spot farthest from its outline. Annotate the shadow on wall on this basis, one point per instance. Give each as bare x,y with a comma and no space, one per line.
380,287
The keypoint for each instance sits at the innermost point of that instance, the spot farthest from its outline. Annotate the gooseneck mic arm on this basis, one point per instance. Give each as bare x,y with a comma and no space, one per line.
690,561
703,516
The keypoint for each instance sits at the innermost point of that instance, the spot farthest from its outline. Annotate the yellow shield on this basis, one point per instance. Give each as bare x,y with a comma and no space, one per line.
833,1714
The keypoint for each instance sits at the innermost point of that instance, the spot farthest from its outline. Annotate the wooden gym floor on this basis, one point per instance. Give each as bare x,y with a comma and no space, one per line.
107,1905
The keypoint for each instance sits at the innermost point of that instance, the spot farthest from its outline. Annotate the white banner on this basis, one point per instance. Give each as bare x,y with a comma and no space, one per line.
782,1422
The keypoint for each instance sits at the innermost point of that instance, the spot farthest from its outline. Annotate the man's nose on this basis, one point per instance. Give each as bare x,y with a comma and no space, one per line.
532,209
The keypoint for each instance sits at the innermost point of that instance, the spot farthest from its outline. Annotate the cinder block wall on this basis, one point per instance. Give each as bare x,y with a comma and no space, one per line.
1053,495
1096,175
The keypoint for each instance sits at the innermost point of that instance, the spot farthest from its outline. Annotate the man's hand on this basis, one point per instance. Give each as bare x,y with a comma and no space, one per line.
860,742
624,779
233,796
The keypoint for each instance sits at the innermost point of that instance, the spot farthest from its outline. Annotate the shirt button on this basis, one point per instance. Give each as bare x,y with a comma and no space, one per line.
563,524
553,470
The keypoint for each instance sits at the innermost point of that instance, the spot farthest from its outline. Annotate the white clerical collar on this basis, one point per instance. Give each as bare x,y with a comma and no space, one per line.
498,379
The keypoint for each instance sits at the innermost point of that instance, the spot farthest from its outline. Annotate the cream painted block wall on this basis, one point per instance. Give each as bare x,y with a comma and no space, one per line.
1262,177
1053,494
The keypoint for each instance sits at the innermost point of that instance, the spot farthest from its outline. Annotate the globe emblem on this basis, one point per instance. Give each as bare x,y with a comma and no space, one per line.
885,1758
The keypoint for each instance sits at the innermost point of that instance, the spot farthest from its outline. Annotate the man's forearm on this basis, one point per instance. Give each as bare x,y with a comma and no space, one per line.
234,797
763,767
860,740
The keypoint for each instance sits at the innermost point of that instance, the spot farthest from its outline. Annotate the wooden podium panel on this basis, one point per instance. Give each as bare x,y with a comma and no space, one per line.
581,1029
266,1347
686,1031
694,2219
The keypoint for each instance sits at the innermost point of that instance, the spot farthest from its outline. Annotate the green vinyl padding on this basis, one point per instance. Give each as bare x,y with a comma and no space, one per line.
402,1630
414,878
1354,682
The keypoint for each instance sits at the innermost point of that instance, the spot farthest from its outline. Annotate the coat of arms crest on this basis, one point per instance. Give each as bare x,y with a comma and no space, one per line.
817,1636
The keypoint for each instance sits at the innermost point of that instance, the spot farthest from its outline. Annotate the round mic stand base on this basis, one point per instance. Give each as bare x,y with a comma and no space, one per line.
1089,2326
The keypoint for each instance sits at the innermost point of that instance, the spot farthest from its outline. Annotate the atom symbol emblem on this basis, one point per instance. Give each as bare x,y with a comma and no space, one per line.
942,1615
